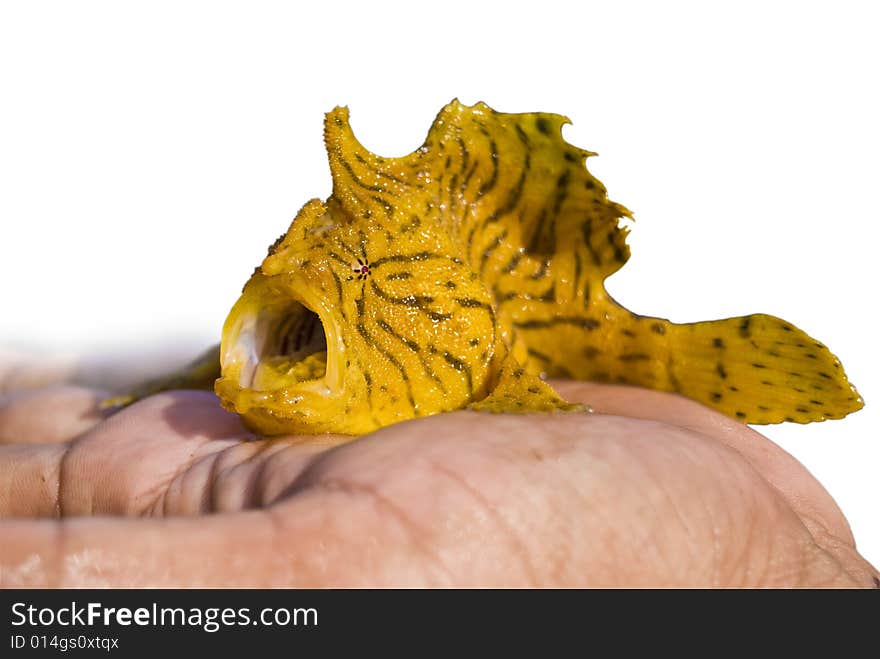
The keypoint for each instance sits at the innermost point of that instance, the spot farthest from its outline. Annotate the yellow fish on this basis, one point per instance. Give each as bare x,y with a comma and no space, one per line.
462,275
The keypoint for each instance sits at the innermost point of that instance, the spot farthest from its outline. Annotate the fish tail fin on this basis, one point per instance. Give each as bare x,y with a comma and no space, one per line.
758,369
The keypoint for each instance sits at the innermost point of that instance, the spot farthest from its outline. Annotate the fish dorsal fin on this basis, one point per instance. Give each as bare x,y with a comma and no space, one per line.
481,174
369,186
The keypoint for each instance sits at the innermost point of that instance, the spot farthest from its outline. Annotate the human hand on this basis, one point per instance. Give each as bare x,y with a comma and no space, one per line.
652,490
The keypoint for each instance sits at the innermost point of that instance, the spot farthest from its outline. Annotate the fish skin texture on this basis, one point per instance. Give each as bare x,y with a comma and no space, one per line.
464,274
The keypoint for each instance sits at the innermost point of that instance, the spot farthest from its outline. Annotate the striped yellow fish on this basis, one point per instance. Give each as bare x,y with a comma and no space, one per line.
462,275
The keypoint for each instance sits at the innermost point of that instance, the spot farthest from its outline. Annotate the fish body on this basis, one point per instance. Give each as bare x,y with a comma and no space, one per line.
466,273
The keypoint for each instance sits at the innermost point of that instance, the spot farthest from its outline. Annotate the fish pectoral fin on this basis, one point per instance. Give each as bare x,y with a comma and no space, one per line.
516,390
198,374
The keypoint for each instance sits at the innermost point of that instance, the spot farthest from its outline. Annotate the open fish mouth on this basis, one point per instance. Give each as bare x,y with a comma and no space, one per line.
282,345
276,343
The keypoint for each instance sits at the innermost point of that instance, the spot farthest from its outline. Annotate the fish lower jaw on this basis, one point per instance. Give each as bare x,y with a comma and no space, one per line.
306,409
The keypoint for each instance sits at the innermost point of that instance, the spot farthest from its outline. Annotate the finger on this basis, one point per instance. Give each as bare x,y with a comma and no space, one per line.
181,453
34,425
226,470
242,550
126,463
118,465
49,415
310,542
803,492
29,480
177,453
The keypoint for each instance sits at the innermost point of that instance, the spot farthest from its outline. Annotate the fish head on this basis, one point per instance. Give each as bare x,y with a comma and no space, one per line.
384,302
348,326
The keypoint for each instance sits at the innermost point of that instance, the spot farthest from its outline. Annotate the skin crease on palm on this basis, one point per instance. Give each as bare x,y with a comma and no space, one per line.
652,490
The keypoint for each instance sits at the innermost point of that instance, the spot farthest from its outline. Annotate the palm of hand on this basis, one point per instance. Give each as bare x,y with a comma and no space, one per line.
654,491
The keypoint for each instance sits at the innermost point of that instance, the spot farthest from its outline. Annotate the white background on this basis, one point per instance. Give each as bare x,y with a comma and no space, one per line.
150,152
